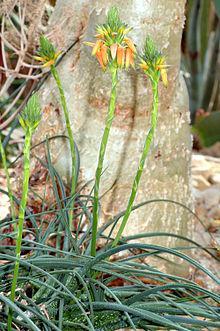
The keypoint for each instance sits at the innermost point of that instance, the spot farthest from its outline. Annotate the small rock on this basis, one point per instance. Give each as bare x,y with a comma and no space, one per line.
214,179
200,182
210,199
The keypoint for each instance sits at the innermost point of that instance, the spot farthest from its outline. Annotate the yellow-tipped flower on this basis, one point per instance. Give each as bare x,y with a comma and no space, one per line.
97,47
112,46
162,67
153,62
47,54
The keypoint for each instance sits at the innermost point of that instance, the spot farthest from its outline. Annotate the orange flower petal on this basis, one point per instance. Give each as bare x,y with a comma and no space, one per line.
113,49
100,59
120,56
104,54
129,58
130,44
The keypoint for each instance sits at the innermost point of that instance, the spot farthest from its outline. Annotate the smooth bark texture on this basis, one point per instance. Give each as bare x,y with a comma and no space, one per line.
87,88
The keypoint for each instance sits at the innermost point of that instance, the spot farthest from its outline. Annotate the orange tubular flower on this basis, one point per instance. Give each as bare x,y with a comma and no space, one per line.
120,56
112,47
130,44
104,54
129,58
100,59
97,46
162,67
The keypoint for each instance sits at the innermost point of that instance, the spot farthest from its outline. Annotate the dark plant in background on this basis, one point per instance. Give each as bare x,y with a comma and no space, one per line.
200,63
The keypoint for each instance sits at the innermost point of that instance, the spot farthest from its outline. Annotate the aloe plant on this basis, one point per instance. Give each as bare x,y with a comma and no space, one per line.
114,51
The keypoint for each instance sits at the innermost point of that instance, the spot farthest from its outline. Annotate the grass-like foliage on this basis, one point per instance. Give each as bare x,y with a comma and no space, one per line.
60,277
69,289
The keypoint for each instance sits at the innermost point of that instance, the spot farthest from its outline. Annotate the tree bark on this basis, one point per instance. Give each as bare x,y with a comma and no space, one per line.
87,88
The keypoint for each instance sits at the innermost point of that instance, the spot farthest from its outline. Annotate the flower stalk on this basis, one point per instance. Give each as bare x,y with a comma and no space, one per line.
114,51
71,141
154,67
104,141
144,155
48,56
29,120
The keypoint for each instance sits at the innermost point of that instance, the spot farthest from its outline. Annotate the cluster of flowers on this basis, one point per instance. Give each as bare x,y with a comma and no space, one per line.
114,48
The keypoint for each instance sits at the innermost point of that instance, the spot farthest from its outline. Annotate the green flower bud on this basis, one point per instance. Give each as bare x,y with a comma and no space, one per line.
31,115
46,53
153,62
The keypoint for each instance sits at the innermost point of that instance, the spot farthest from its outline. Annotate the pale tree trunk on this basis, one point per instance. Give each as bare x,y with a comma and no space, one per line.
87,88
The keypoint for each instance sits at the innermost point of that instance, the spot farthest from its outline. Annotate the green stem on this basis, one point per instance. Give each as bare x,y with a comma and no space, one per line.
4,162
145,152
21,216
109,119
71,141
